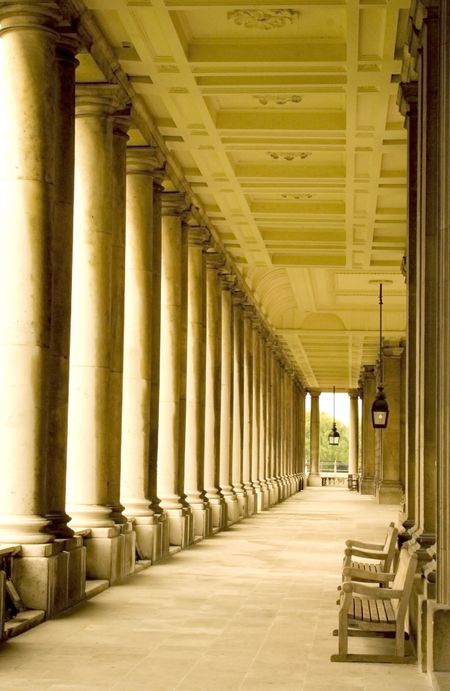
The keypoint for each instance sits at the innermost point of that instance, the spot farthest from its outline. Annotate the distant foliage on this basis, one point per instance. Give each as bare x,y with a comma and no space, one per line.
328,455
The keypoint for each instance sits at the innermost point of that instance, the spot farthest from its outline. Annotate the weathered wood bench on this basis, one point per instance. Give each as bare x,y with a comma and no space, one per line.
368,611
369,557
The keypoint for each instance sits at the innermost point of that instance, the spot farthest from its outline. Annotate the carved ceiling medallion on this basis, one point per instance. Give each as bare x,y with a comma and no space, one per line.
279,100
263,19
289,156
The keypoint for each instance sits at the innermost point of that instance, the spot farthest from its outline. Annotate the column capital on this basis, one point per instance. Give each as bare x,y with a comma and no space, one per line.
353,393
214,260
196,235
23,14
68,44
122,122
143,160
174,203
314,393
393,350
227,279
99,99
407,96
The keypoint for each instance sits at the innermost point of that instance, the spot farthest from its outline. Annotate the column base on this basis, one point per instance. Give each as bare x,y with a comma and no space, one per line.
251,499
147,537
242,501
180,524
232,509
219,513
110,553
202,520
273,492
314,480
438,637
389,493
367,486
51,577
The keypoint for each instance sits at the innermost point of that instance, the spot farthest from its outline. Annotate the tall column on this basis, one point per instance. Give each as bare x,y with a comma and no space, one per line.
212,407
162,540
263,431
247,409
368,384
195,383
168,489
353,434
408,94
302,434
439,646
90,459
138,334
27,227
236,447
226,399
61,261
272,425
120,127
391,447
256,417
314,479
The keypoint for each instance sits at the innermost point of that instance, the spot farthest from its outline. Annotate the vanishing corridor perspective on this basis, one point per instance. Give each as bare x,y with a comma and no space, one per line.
209,212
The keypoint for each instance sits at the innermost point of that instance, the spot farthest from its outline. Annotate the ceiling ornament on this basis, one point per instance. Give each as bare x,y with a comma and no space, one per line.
279,100
263,19
288,156
300,195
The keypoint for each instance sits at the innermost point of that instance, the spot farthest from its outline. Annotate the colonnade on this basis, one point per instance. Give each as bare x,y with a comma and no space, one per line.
145,402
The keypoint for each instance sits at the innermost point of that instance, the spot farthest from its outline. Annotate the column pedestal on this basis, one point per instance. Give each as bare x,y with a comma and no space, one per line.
110,552
51,577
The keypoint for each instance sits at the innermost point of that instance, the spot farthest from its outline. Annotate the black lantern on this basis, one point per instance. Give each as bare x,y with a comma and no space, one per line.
380,408
334,437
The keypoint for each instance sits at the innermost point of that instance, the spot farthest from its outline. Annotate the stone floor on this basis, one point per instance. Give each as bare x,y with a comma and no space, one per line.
250,609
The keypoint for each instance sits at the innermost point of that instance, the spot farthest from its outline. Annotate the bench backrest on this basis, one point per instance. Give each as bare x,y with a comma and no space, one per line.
389,546
403,580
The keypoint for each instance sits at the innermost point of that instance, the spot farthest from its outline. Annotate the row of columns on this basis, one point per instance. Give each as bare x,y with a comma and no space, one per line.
143,397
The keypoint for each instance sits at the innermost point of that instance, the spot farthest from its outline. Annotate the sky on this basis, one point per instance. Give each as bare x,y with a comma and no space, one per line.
326,404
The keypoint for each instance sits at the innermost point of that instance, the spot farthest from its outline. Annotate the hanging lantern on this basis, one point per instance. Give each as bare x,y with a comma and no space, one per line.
334,437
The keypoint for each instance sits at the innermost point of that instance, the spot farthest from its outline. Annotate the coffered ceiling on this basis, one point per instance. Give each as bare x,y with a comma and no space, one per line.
282,118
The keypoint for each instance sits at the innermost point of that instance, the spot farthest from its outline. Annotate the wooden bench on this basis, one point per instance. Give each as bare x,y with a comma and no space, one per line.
369,557
368,611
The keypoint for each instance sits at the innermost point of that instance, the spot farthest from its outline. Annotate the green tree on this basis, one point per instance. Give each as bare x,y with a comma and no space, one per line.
328,455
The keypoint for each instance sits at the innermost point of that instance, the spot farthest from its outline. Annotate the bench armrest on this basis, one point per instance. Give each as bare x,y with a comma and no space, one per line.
366,553
371,593
349,572
363,545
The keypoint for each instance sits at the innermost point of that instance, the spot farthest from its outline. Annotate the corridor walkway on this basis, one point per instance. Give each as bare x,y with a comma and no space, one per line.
249,610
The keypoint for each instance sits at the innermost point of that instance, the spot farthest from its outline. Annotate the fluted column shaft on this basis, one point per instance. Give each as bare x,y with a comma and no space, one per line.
120,138
170,353
236,449
256,417
138,332
353,434
27,231
263,431
89,464
226,398
314,478
212,407
61,259
247,411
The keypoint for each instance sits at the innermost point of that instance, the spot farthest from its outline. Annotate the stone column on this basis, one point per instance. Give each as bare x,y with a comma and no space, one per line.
368,385
236,447
408,106
168,478
226,399
162,540
263,431
247,409
256,417
314,479
120,127
138,333
95,345
61,268
273,486
35,234
27,228
391,447
353,434
302,435
195,385
212,408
